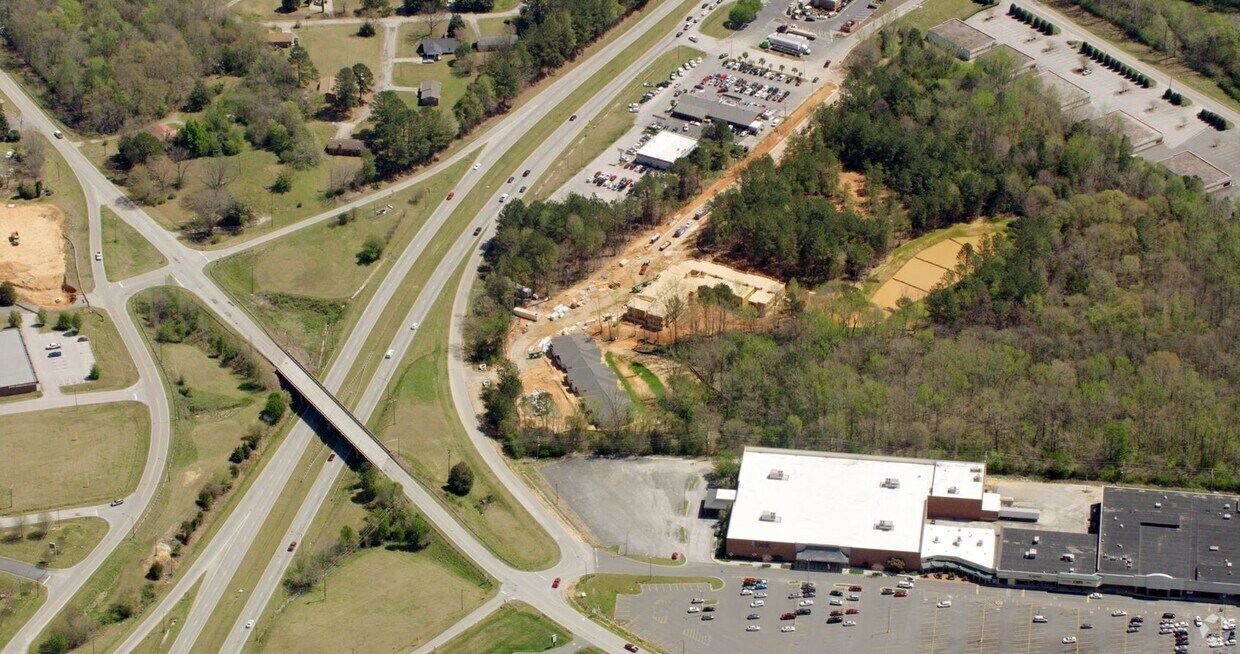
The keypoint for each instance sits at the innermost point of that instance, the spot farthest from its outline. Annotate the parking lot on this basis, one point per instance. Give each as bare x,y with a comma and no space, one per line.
58,359
980,619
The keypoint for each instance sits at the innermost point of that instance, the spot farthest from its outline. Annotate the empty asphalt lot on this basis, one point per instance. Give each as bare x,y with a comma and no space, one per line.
981,619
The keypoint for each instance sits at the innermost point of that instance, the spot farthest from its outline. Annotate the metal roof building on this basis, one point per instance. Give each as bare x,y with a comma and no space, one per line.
493,43
588,377
664,149
16,372
697,107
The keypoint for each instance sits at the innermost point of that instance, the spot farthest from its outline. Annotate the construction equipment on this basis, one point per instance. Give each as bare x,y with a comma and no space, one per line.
15,239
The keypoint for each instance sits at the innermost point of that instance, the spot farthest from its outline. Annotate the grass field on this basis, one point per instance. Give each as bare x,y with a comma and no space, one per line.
67,194
268,10
267,540
934,12
73,457
420,418
159,640
116,367
412,75
19,599
634,398
206,425
600,590
333,47
611,124
495,26
1173,66
713,25
74,539
319,263
515,627
380,617
652,380
125,252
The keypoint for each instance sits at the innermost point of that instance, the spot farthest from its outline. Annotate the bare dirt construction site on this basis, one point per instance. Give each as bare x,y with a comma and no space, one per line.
32,255
917,267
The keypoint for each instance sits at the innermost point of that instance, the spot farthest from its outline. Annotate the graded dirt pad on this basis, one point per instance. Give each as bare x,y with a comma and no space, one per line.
921,274
889,294
926,270
37,265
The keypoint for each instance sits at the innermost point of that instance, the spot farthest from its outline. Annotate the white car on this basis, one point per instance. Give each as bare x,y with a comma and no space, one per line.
850,623
1039,619
836,602
58,134
1068,640
1118,613
389,354
477,166
697,600
52,346
98,256
1095,596
414,326
807,602
945,604
1197,621
760,594
694,609
249,625
753,627
905,584
787,628
756,603
746,591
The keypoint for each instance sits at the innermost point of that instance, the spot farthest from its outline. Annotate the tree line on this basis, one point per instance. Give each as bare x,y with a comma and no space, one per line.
1094,340
1206,41
551,33
111,63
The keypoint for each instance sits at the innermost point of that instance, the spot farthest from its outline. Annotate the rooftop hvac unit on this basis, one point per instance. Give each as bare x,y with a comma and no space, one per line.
1157,505
977,477
1214,548
1036,539
1070,558
952,490
891,482
975,468
1031,553
777,474
885,525
769,516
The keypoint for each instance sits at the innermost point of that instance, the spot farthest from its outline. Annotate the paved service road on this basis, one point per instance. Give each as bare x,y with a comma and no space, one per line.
22,569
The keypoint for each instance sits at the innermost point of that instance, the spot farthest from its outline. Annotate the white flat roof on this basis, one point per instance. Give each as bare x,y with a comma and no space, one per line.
958,479
991,502
976,545
15,367
830,499
666,146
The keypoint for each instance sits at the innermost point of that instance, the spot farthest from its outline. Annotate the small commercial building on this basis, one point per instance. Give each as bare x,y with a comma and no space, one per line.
494,43
433,49
346,147
589,377
698,107
664,149
430,93
1071,95
16,370
1190,164
966,41
649,306
1140,135
719,499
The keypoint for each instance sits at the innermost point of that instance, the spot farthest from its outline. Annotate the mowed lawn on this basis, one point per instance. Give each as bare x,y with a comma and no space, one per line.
411,75
713,25
74,539
67,194
73,457
125,252
599,591
421,421
333,47
612,123
380,600
116,367
269,10
933,12
495,26
320,262
515,627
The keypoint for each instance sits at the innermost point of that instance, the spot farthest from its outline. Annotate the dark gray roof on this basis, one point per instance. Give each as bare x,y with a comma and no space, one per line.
697,107
1184,535
438,47
15,368
486,43
1051,548
430,89
588,376
823,555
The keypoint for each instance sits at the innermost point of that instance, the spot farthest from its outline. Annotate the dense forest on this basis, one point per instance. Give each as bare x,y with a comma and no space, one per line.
105,64
1097,339
552,32
1207,41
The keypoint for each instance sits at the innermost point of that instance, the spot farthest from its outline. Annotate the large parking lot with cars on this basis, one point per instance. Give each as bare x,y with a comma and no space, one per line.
972,618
